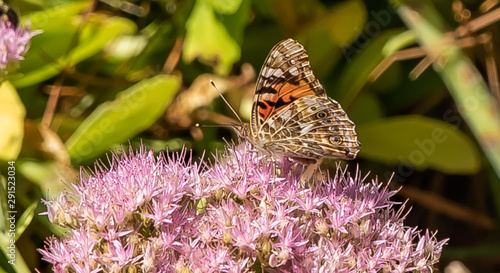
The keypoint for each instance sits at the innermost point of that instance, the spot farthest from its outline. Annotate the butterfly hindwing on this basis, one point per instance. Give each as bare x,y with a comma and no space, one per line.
312,128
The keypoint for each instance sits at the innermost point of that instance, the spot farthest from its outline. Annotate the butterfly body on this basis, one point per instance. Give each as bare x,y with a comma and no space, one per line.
292,116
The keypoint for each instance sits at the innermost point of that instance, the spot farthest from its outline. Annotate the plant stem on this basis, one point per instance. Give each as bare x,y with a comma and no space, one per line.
475,103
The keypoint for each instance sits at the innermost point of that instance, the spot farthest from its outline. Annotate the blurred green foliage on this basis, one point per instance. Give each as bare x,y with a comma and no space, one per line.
109,73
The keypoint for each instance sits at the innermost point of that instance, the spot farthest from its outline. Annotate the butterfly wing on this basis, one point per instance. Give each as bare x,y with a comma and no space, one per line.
292,115
311,128
285,77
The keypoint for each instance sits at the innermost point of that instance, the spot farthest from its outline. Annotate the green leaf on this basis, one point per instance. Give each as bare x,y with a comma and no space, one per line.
398,42
4,263
419,142
47,175
362,61
336,29
226,6
25,219
210,41
67,40
366,108
12,114
201,206
134,110
126,47
347,19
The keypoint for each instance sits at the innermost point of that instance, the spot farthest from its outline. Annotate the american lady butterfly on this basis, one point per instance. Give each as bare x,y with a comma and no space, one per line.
292,116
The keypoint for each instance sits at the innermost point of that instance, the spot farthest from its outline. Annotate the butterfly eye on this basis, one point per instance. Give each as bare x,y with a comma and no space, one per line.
336,140
321,115
335,128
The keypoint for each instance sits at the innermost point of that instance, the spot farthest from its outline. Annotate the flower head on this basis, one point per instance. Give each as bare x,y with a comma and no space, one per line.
242,212
14,43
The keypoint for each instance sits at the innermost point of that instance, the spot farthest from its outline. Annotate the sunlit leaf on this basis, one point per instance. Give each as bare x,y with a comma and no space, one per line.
4,260
398,42
226,6
56,47
134,110
26,219
12,114
126,47
48,175
210,41
419,142
201,206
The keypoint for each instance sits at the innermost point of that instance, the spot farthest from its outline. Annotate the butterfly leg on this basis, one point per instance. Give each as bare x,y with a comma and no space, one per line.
309,176
277,167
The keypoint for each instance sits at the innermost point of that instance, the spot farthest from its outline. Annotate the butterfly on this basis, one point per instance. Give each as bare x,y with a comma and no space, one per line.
292,116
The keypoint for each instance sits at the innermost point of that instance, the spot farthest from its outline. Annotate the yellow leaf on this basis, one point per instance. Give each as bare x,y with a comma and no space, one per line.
208,40
12,114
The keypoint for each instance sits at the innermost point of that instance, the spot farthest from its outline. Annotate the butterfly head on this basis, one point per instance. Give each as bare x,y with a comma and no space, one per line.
242,130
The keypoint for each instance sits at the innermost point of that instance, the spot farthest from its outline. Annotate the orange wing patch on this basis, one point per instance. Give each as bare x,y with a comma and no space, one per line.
284,94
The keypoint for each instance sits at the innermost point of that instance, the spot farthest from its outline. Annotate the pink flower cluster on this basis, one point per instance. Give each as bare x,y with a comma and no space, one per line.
241,213
14,43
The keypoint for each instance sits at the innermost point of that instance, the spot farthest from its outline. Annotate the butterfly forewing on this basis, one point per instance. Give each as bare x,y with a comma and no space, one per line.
285,77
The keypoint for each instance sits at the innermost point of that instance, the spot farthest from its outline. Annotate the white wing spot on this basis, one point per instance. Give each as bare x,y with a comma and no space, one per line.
310,101
277,73
305,128
294,71
286,114
272,72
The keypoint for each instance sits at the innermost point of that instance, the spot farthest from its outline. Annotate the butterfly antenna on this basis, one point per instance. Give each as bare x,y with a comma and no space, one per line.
197,125
229,105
